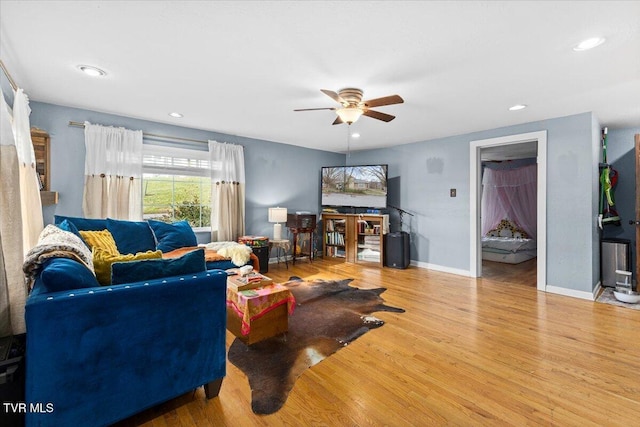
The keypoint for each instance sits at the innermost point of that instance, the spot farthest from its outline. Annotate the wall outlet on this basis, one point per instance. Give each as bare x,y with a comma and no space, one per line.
452,192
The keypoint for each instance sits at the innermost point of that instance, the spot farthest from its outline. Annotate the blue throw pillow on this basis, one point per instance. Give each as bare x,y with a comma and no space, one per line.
85,224
173,236
149,269
61,274
131,237
67,225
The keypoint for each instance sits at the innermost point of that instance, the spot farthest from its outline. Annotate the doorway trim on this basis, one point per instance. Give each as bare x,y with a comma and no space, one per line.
475,257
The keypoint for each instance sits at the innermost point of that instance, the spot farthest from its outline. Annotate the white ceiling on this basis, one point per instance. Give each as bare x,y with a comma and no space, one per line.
242,67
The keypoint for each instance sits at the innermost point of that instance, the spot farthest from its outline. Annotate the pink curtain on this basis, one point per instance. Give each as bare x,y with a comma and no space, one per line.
510,194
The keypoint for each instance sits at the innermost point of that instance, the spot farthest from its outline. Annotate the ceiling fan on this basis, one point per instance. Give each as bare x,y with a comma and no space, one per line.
353,106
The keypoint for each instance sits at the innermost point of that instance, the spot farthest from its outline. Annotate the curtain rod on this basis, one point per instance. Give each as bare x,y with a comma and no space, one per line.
6,73
151,135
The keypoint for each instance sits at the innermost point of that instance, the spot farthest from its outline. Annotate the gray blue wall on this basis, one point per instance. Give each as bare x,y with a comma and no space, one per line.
276,174
440,228
420,176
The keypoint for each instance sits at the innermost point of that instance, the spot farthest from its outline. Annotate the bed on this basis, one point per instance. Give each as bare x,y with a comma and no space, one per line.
508,243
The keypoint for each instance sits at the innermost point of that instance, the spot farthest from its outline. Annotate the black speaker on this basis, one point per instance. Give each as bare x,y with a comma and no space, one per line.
262,252
397,250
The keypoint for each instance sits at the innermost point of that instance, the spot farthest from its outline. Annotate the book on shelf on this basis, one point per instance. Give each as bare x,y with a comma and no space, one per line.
250,281
336,252
369,246
372,240
369,255
334,238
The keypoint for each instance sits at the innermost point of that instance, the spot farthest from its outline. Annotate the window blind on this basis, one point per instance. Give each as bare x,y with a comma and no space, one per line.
159,159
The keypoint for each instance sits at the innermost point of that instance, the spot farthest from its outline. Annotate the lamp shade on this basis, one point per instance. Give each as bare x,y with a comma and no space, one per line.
349,114
277,214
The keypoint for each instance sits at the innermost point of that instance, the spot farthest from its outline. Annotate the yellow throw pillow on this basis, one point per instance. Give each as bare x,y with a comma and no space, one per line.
102,260
102,239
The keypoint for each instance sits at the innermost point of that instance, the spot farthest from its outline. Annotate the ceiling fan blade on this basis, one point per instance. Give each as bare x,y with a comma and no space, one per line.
313,109
387,100
331,94
378,115
337,121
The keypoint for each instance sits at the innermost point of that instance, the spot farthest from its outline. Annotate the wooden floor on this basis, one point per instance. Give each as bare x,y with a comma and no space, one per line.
490,351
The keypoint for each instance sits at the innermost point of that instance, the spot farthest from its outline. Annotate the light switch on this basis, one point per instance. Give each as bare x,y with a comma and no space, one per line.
452,192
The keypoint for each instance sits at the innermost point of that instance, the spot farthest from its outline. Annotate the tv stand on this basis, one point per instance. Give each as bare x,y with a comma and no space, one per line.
356,238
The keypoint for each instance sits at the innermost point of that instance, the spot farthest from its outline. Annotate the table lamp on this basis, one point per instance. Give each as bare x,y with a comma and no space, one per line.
277,215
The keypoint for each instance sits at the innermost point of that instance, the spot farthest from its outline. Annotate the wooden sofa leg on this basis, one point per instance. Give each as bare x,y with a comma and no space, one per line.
212,388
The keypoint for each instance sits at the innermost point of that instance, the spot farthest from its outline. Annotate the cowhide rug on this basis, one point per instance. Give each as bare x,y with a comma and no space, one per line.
328,316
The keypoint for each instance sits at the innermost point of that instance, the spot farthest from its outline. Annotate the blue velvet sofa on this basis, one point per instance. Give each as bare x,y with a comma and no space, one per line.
99,354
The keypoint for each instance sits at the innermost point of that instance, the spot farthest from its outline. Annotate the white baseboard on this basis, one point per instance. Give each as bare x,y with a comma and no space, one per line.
591,296
596,290
551,289
441,268
466,273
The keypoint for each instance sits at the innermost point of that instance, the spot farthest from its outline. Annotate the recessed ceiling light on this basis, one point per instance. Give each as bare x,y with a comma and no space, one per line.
589,44
176,115
355,135
517,107
92,71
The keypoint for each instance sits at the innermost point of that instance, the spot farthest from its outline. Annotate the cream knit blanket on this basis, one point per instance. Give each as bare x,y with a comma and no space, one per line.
55,243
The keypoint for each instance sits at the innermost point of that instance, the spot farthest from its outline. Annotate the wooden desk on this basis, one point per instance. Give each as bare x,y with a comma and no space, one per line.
295,232
301,224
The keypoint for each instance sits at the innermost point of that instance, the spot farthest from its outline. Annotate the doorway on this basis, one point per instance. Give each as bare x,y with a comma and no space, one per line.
636,221
516,142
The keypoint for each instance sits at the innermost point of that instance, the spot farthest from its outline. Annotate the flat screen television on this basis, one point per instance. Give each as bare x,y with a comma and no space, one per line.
362,186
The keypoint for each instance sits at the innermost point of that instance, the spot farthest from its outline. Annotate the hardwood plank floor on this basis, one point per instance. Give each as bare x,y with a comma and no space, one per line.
489,351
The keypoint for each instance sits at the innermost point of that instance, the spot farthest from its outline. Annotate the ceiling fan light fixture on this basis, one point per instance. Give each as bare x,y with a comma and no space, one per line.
349,114
352,106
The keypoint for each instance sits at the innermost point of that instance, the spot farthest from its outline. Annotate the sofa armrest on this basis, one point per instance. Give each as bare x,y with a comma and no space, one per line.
105,353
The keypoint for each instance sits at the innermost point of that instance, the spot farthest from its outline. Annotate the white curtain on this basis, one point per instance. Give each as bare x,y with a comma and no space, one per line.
227,191
510,194
30,202
20,210
113,173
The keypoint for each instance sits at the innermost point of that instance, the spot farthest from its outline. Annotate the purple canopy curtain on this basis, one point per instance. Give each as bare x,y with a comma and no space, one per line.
510,194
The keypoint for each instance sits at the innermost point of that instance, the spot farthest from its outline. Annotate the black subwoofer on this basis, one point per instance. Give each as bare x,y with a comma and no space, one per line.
397,250
262,252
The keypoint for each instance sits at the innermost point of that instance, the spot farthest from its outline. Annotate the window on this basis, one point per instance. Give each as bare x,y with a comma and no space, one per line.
176,185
